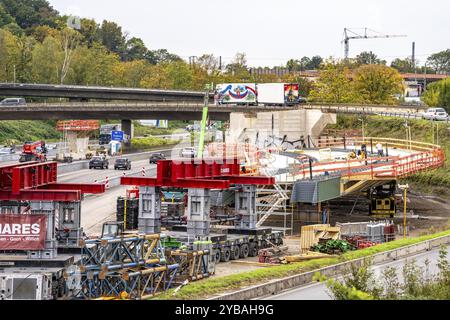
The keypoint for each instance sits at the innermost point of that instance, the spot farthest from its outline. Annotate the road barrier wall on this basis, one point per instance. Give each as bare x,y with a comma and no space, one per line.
277,286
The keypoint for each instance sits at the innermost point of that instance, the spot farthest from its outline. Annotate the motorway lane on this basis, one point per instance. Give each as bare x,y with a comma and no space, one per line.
90,175
97,209
319,291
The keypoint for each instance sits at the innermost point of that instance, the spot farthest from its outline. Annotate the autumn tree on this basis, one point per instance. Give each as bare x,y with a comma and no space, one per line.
333,85
377,84
438,94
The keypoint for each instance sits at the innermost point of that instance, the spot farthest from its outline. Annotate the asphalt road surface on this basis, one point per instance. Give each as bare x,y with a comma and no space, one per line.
97,209
319,291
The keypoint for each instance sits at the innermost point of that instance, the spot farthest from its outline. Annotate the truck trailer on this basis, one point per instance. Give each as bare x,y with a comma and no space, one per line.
258,93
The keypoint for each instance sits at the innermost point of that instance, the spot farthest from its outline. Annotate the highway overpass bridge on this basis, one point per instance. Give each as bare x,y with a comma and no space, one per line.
98,93
172,110
127,111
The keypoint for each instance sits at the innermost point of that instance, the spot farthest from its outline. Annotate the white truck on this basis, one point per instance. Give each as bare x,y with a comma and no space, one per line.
258,93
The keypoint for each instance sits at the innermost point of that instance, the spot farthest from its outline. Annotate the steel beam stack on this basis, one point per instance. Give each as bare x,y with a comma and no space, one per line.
132,267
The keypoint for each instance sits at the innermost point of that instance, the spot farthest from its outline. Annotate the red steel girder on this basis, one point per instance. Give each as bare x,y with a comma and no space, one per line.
33,176
42,195
83,188
180,183
250,180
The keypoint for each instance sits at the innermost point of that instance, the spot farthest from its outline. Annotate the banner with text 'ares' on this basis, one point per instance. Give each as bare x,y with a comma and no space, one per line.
23,231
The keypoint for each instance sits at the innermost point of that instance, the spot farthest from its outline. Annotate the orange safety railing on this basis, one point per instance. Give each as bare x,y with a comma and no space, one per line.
422,156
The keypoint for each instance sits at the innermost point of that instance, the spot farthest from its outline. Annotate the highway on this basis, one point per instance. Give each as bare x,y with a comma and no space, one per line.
319,291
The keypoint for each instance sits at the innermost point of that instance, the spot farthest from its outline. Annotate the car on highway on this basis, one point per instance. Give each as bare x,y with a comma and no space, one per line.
13,102
189,152
435,114
122,163
7,150
155,157
98,162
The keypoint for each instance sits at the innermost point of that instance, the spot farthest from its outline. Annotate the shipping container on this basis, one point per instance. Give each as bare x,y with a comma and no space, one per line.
237,93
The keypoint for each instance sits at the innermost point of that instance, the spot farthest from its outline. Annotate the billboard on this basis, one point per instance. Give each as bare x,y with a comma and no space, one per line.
237,92
23,231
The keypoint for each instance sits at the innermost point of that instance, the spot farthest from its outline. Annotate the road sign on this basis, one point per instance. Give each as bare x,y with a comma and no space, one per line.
117,135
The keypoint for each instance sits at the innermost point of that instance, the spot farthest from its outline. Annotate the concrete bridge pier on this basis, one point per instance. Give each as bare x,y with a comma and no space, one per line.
128,129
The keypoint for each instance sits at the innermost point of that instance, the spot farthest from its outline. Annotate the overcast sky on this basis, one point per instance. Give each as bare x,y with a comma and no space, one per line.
272,31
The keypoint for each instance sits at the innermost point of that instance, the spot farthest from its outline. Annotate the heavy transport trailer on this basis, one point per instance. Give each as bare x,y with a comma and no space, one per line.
237,244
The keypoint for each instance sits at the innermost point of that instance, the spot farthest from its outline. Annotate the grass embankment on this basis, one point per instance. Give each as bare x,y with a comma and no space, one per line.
150,143
421,130
215,285
19,131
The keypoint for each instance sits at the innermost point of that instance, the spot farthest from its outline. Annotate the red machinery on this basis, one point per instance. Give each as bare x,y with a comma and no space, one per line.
33,151
38,182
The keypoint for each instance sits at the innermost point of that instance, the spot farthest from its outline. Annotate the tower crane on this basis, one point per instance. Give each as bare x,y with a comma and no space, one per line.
351,34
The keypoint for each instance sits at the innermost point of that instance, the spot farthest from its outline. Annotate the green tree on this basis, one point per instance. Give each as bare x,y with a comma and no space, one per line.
315,63
31,13
162,56
47,58
377,84
136,50
438,94
440,61
93,66
156,78
179,75
403,65
112,37
333,85
131,73
89,31
368,58
5,17
9,55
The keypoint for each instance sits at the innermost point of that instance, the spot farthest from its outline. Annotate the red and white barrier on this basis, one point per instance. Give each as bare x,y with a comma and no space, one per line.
107,183
143,171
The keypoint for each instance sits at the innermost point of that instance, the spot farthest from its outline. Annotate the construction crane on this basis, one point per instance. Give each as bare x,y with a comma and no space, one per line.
350,34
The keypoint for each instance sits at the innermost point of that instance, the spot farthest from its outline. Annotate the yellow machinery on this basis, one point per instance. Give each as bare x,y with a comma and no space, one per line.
382,200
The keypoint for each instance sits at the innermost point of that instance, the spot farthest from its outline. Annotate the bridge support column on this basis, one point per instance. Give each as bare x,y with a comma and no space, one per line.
149,210
245,203
127,128
199,205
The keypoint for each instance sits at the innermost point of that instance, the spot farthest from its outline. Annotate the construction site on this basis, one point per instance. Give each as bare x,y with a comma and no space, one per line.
153,175
241,208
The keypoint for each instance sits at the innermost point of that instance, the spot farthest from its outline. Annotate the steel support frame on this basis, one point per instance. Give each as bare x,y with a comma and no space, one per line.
134,264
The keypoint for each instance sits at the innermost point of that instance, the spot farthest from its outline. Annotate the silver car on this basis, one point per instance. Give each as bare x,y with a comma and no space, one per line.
13,102
435,114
